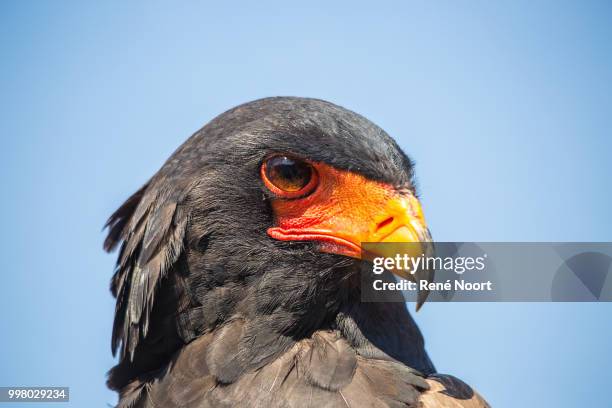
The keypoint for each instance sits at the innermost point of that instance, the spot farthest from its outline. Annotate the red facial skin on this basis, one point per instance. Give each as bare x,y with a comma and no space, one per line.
338,209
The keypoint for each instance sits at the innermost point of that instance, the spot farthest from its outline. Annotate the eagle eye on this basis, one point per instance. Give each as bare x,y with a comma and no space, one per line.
289,177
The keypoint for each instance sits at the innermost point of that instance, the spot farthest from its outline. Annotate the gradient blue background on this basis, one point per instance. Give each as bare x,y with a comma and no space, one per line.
505,107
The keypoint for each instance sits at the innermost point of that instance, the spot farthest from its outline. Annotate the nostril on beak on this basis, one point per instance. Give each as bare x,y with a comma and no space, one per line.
384,223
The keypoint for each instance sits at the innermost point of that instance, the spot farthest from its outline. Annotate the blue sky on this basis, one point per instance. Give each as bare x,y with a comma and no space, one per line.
504,106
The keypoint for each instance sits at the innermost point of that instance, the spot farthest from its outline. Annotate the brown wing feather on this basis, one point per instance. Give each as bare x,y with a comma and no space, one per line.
323,371
450,392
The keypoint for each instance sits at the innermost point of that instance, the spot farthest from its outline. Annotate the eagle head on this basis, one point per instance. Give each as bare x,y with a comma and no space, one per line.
252,232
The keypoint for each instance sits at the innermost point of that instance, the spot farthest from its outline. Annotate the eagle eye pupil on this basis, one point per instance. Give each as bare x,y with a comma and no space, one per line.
288,174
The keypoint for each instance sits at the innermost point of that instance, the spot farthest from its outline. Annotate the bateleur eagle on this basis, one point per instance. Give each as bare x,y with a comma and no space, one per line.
237,279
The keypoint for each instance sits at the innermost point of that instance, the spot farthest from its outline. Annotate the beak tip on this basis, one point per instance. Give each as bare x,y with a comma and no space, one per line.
421,298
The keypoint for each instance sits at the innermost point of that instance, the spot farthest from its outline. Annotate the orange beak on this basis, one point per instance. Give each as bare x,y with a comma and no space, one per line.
347,210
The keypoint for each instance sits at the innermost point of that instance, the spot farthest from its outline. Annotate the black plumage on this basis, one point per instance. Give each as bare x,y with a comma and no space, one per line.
213,312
